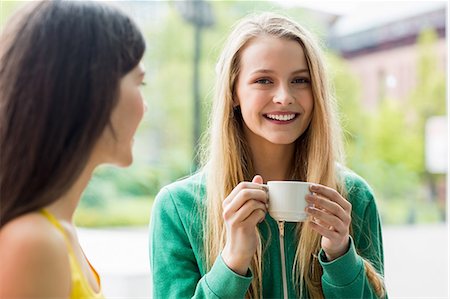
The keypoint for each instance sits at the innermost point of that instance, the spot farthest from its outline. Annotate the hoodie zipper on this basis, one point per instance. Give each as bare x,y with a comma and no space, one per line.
283,259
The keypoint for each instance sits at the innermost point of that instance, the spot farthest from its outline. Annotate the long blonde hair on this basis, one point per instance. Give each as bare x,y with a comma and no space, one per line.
228,160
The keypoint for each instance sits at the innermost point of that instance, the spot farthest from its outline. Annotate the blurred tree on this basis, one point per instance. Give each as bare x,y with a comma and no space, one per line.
347,92
386,146
428,98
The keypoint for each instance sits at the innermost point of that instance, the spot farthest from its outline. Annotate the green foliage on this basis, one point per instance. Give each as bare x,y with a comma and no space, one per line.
134,211
386,146
428,99
170,101
118,197
398,211
347,92
111,183
392,139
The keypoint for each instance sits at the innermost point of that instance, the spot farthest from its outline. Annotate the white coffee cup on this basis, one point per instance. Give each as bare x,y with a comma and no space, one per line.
287,200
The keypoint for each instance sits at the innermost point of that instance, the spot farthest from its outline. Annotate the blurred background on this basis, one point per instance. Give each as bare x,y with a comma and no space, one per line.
389,65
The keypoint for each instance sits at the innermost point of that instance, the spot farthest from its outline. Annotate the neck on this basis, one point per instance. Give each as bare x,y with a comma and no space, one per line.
65,206
273,161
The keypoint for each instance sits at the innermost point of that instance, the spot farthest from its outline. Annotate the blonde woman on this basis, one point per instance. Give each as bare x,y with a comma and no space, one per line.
273,119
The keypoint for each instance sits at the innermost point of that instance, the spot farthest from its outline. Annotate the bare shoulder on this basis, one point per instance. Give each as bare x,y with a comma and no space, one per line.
34,259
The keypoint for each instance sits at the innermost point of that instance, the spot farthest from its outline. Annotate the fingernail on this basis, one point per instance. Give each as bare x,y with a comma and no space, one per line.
314,187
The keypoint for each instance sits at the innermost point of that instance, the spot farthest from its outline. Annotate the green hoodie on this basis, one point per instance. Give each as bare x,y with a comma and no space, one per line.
178,266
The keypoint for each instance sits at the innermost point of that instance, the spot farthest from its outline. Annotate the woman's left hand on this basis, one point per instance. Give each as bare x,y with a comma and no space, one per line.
331,218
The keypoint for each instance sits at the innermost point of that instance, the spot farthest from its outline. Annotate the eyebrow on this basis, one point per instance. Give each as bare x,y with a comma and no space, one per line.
267,71
301,71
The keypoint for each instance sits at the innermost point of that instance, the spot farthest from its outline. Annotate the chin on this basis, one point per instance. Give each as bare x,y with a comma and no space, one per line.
124,161
127,162
282,140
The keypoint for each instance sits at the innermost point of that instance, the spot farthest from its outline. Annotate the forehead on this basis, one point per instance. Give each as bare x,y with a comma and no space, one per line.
272,53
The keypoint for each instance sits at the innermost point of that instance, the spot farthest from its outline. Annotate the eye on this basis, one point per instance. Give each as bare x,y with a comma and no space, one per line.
263,81
143,83
301,81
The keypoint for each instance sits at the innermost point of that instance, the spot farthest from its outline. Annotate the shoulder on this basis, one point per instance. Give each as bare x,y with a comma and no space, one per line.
30,233
359,192
34,258
184,192
178,209
183,198
190,185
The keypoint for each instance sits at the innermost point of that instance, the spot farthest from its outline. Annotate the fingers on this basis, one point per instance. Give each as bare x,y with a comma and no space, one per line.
326,220
250,207
241,187
244,200
329,206
332,195
324,231
331,218
242,197
257,216
258,179
331,213
243,209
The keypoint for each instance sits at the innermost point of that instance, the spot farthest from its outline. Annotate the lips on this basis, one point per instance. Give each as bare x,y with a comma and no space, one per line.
281,117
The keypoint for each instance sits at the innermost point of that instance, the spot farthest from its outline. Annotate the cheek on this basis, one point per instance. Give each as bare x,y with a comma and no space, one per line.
248,101
128,114
309,110
136,107
141,107
307,102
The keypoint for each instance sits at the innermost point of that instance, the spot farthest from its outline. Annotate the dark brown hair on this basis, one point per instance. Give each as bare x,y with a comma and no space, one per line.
60,67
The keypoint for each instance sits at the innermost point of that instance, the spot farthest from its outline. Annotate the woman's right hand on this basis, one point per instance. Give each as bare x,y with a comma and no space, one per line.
243,209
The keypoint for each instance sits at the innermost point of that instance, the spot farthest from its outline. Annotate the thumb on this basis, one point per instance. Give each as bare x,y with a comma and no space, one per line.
257,179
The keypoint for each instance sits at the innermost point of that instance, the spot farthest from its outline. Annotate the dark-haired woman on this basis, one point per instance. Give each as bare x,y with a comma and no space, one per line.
70,100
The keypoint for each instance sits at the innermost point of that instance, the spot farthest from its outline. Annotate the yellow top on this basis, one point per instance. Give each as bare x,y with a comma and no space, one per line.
81,288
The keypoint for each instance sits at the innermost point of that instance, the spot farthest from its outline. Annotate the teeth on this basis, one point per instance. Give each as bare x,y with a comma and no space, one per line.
284,117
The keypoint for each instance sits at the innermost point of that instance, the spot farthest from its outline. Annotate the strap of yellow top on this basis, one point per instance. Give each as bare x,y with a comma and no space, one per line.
74,262
53,221
58,226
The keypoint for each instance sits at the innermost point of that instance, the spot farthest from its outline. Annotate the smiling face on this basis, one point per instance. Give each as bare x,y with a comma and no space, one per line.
274,91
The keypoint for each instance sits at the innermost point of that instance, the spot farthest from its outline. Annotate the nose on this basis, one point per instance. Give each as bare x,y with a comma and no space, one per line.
283,96
145,107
